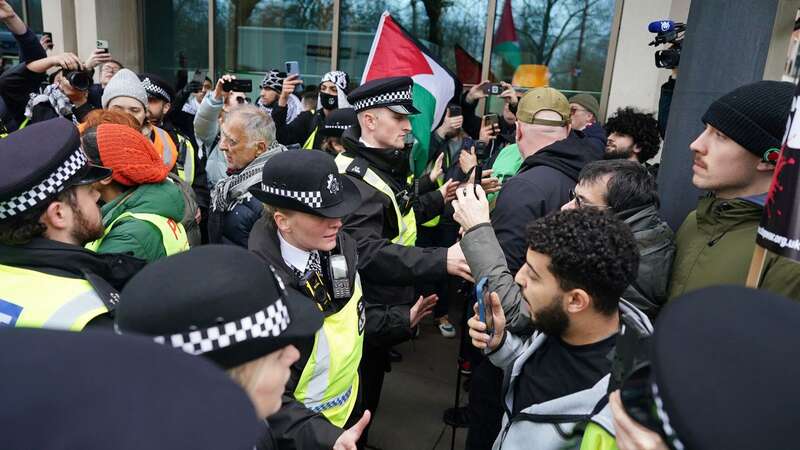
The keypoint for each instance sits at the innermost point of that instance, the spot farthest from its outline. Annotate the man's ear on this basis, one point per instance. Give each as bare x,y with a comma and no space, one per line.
106,181
518,133
57,216
167,106
577,300
637,149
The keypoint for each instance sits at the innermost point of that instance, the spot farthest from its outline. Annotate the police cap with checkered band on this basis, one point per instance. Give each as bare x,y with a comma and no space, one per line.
392,92
157,87
221,302
39,162
307,181
131,394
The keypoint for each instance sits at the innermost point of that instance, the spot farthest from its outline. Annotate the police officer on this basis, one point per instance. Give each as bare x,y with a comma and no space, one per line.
160,96
300,236
48,211
384,226
118,392
232,309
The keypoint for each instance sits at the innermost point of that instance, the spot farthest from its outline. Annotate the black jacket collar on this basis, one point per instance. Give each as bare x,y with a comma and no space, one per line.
57,258
390,161
264,242
568,156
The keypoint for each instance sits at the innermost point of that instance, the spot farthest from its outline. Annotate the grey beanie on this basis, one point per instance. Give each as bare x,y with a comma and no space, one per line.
124,83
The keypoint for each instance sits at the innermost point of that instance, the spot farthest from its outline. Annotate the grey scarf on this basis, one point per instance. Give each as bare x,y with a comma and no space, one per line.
230,189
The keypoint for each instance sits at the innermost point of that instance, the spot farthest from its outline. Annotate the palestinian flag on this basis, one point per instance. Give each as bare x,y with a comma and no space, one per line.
506,43
396,53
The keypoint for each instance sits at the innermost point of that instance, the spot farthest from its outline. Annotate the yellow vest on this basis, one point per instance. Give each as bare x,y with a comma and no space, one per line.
173,235
186,171
329,382
21,126
309,144
406,224
597,438
38,300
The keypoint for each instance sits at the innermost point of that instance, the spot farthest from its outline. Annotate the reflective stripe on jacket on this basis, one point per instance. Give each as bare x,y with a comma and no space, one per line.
329,382
406,224
33,299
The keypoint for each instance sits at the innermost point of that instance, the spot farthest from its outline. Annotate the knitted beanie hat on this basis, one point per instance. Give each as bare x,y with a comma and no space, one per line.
753,115
124,83
134,159
587,101
273,80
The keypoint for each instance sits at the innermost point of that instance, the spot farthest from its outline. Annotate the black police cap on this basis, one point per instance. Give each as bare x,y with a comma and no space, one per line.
307,181
94,390
39,162
392,92
337,121
223,303
726,367
157,87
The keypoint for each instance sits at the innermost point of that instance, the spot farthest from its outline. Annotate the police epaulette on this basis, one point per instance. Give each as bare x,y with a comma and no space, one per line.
358,168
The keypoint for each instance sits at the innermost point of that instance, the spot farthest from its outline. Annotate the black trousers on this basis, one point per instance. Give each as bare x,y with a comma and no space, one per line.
485,407
374,365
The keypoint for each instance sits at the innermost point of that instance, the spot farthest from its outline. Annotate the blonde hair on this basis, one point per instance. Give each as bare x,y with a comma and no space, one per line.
247,375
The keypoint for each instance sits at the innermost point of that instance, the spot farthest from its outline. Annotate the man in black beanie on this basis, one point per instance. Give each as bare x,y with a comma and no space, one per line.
734,159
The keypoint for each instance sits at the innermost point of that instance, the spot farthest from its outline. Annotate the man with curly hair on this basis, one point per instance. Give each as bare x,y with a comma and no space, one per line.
632,135
578,264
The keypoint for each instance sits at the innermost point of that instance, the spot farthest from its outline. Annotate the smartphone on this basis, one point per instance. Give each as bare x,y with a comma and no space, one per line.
493,89
292,67
454,110
492,119
238,86
49,36
102,45
483,298
467,143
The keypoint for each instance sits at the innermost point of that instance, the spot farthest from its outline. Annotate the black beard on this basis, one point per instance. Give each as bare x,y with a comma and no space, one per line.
618,153
552,320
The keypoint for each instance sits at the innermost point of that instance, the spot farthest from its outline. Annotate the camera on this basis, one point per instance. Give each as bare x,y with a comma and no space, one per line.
79,79
670,33
238,86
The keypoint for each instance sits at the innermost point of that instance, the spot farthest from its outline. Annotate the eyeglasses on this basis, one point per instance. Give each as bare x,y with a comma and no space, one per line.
573,110
580,203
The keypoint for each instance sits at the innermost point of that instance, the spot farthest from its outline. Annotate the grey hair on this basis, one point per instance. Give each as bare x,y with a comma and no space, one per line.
258,125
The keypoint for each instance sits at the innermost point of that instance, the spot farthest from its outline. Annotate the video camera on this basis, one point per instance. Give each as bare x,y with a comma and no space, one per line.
78,79
667,32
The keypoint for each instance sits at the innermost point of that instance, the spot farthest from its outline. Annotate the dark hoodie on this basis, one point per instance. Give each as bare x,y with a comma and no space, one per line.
541,186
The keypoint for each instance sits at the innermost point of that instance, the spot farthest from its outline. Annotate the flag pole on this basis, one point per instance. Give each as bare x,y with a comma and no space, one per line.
756,267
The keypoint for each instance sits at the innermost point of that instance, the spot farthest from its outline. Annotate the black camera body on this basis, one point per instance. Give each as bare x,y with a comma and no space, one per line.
669,58
671,35
79,79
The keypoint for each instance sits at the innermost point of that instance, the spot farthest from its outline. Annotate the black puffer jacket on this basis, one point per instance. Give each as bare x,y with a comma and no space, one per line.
541,186
656,243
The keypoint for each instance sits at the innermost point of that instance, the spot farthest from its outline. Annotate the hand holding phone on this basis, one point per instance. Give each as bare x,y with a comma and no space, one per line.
484,300
493,89
102,45
236,85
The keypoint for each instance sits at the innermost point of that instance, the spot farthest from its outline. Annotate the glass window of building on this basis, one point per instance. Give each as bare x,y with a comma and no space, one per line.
452,29
252,37
175,37
563,42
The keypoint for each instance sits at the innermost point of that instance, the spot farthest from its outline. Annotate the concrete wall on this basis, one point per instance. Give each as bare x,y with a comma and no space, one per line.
77,24
635,80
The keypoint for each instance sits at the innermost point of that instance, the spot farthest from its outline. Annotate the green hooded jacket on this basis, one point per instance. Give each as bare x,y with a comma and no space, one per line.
715,246
137,237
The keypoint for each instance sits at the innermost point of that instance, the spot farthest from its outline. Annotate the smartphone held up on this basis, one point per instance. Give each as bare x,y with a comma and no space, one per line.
484,299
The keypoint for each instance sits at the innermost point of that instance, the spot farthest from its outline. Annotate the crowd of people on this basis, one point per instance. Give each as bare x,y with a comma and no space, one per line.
284,243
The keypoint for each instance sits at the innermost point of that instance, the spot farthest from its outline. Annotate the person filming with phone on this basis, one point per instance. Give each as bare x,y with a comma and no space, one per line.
577,265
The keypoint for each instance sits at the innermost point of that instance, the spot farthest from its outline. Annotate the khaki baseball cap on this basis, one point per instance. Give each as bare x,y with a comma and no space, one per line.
540,99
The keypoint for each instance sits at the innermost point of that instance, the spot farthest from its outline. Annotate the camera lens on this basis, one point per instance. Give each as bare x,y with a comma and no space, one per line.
79,80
